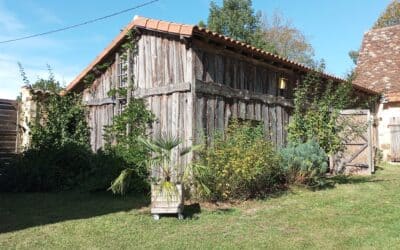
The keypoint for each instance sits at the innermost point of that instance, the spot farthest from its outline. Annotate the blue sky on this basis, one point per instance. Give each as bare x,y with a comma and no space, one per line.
333,27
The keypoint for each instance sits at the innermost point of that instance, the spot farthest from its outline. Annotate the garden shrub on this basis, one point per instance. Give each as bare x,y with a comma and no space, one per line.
60,158
70,166
239,164
46,169
106,165
305,163
61,121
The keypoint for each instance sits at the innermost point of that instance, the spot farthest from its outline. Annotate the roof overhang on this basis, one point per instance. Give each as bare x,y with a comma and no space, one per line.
189,31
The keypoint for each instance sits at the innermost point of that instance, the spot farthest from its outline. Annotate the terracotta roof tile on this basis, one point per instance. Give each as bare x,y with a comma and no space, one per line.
174,28
162,25
141,21
152,24
188,30
378,65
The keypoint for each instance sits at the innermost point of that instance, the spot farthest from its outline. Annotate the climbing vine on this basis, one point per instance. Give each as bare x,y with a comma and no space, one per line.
317,106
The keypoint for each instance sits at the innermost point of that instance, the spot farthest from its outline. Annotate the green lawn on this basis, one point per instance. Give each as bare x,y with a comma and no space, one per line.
357,213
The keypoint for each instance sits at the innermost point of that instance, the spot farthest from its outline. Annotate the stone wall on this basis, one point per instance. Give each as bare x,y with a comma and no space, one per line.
385,115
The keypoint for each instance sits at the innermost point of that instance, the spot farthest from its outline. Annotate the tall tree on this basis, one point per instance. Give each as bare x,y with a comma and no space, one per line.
287,40
390,17
237,19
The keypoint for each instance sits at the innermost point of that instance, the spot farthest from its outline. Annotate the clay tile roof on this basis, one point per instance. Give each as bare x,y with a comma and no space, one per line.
378,66
189,31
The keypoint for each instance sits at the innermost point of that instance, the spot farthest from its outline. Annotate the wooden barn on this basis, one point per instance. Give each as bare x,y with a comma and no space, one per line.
194,81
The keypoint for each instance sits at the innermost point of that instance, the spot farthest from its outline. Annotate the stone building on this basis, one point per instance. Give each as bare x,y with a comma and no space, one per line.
378,69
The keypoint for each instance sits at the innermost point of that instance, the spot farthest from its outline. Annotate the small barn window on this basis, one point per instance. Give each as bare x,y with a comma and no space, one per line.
122,72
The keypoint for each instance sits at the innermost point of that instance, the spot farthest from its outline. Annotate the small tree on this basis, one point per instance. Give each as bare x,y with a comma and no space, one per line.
237,19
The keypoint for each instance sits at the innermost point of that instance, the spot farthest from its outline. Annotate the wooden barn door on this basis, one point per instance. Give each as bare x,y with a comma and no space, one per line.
357,156
395,139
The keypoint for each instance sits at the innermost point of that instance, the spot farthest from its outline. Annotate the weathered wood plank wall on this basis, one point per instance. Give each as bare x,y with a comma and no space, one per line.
162,71
8,128
193,89
229,85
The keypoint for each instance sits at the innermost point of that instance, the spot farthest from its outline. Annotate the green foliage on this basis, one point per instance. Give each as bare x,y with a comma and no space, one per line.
317,106
236,19
70,166
353,54
238,165
122,138
390,17
57,168
120,92
61,121
23,74
286,40
60,155
50,84
166,173
305,163
89,79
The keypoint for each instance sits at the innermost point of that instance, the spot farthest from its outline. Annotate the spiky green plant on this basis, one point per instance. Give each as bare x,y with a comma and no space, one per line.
166,172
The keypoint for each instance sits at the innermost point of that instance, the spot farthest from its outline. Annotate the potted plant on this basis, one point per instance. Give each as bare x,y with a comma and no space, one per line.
167,176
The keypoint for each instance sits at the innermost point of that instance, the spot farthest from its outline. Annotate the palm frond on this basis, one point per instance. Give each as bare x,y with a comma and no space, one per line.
167,142
121,184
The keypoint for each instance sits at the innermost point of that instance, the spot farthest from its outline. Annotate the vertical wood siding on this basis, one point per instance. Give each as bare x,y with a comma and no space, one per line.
161,61
213,111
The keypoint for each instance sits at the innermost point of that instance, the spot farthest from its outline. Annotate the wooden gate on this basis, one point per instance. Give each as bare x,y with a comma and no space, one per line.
395,139
357,156
8,128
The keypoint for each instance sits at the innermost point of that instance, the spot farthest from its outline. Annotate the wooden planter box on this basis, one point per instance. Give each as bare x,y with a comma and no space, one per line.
166,202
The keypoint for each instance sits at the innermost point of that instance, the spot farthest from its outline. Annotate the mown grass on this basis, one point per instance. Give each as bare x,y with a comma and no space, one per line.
360,212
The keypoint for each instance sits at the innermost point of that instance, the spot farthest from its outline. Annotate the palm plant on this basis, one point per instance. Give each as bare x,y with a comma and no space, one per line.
166,172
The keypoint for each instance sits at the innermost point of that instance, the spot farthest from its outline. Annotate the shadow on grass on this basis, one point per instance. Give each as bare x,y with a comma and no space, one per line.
192,211
343,179
24,210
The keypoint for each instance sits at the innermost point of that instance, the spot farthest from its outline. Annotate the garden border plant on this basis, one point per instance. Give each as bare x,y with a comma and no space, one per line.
317,123
238,164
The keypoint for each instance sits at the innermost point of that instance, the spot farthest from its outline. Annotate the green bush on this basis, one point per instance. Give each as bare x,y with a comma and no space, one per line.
67,167
239,164
62,120
46,169
106,166
305,163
